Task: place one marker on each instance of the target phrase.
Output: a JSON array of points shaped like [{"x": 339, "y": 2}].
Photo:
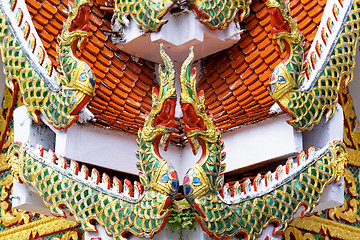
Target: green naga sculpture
[
  {"x": 58, "y": 94},
  {"x": 214, "y": 14},
  {"x": 117, "y": 208},
  {"x": 308, "y": 89},
  {"x": 246, "y": 209}
]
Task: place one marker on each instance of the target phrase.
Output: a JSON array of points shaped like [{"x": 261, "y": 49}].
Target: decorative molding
[
  {"x": 306, "y": 101},
  {"x": 332, "y": 228},
  {"x": 251, "y": 206},
  {"x": 121, "y": 208},
  {"x": 59, "y": 95},
  {"x": 41, "y": 227}
]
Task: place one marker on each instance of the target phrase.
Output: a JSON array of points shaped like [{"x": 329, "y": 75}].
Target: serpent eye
[
  {"x": 82, "y": 76},
  {"x": 92, "y": 82},
  {"x": 281, "y": 79}
]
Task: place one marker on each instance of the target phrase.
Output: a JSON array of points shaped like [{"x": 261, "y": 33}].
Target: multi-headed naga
[
  {"x": 246, "y": 209},
  {"x": 308, "y": 89},
  {"x": 116, "y": 208},
  {"x": 58, "y": 94}
]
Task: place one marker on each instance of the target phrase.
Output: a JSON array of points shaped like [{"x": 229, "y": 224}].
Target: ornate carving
[
  {"x": 71, "y": 235},
  {"x": 214, "y": 14},
  {"x": 218, "y": 14},
  {"x": 58, "y": 95},
  {"x": 303, "y": 97},
  {"x": 38, "y": 228},
  {"x": 146, "y": 14},
  {"x": 320, "y": 225},
  {"x": 348, "y": 212},
  {"x": 6, "y": 111},
  {"x": 273, "y": 198},
  {"x": 142, "y": 213}
]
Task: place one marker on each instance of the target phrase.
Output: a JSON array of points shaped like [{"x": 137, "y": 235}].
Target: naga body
[
  {"x": 116, "y": 207},
  {"x": 246, "y": 209},
  {"x": 307, "y": 101},
  {"x": 58, "y": 94}
]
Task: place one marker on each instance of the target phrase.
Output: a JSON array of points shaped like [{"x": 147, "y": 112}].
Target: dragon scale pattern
[
  {"x": 308, "y": 105},
  {"x": 252, "y": 206},
  {"x": 116, "y": 208},
  {"x": 218, "y": 14},
  {"x": 59, "y": 96},
  {"x": 247, "y": 216},
  {"x": 146, "y": 14}
]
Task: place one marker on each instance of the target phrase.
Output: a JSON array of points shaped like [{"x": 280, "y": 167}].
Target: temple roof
[{"x": 235, "y": 81}]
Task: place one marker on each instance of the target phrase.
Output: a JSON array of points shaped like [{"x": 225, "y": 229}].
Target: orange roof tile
[
  {"x": 253, "y": 59},
  {"x": 235, "y": 80}
]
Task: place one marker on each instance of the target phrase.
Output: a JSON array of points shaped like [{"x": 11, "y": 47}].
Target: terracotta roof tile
[
  {"x": 133, "y": 102},
  {"x": 119, "y": 101},
  {"x": 246, "y": 100},
  {"x": 98, "y": 74},
  {"x": 235, "y": 85},
  {"x": 301, "y": 16},
  {"x": 49, "y": 7},
  {"x": 55, "y": 24},
  {"x": 239, "y": 91},
  {"x": 33, "y": 3},
  {"x": 260, "y": 38},
  {"x": 122, "y": 56},
  {"x": 54, "y": 2},
  {"x": 51, "y": 29},
  {"x": 234, "y": 109},
  {"x": 266, "y": 21},
  {"x": 253, "y": 59},
  {"x": 95, "y": 20},
  {"x": 123, "y": 92},
  {"x": 229, "y": 100},
  {"x": 210, "y": 99},
  {"x": 132, "y": 76},
  {"x": 101, "y": 36},
  {"x": 63, "y": 10},
  {"x": 109, "y": 83},
  {"x": 222, "y": 88},
  {"x": 100, "y": 101},
  {"x": 293, "y": 4},
  {"x": 309, "y": 29},
  {"x": 103, "y": 60},
  {"x": 60, "y": 18},
  {"x": 103, "y": 96},
  {"x": 99, "y": 108},
  {"x": 38, "y": 26},
  {"x": 232, "y": 79},
  {"x": 256, "y": 31},
  {"x": 309, "y": 5},
  {"x": 262, "y": 13},
  {"x": 139, "y": 92},
  {"x": 45, "y": 14},
  {"x": 48, "y": 36},
  {"x": 257, "y": 6},
  {"x": 88, "y": 56},
  {"x": 234, "y": 53},
  {"x": 297, "y": 9},
  {"x": 227, "y": 73},
  {"x": 256, "y": 64}
]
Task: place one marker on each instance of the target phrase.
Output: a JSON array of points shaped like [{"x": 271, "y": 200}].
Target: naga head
[
  {"x": 284, "y": 28},
  {"x": 160, "y": 120},
  {"x": 280, "y": 82},
  {"x": 197, "y": 123},
  {"x": 155, "y": 172},
  {"x": 76, "y": 74},
  {"x": 286, "y": 33},
  {"x": 206, "y": 175}
]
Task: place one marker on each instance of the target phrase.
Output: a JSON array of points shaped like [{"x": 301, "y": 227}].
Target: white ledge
[{"x": 177, "y": 42}]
